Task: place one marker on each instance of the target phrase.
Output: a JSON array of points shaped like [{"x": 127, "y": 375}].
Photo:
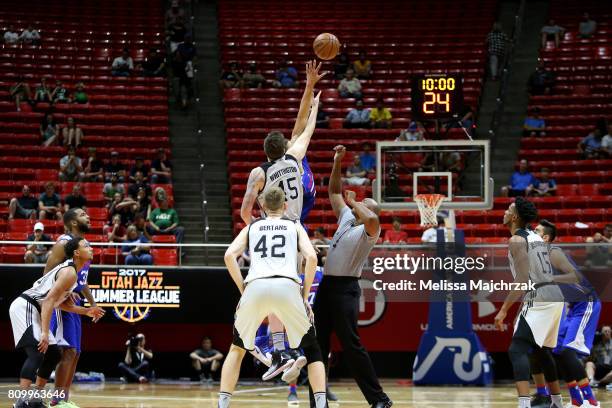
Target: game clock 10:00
[{"x": 436, "y": 96}]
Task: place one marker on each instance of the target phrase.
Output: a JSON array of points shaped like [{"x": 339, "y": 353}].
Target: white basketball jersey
[
  {"x": 273, "y": 246},
  {"x": 284, "y": 173},
  {"x": 42, "y": 286}
]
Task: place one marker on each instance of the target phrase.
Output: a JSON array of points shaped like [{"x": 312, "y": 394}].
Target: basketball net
[{"x": 428, "y": 208}]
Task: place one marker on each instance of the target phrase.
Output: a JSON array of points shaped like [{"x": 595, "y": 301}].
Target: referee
[{"x": 336, "y": 305}]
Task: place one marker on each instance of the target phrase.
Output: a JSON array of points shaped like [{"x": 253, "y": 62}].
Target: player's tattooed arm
[
  {"x": 236, "y": 248},
  {"x": 560, "y": 262},
  {"x": 300, "y": 145},
  {"x": 313, "y": 75},
  {"x": 254, "y": 186},
  {"x": 518, "y": 250},
  {"x": 335, "y": 182}
]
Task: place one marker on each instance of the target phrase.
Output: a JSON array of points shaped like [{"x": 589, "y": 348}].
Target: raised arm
[
  {"x": 254, "y": 186},
  {"x": 300, "y": 145},
  {"x": 312, "y": 77},
  {"x": 518, "y": 249},
  {"x": 236, "y": 248},
  {"x": 334, "y": 189}
]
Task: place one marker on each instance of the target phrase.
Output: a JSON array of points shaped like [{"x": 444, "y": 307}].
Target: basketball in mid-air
[{"x": 326, "y": 46}]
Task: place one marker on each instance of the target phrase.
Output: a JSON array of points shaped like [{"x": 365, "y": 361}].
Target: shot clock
[{"x": 436, "y": 96}]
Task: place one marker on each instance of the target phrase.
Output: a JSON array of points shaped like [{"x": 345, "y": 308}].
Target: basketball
[{"x": 326, "y": 46}]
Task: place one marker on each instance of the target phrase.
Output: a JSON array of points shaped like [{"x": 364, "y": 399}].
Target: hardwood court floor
[{"x": 264, "y": 396}]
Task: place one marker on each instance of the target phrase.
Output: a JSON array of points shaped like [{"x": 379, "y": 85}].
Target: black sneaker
[
  {"x": 36, "y": 403},
  {"x": 330, "y": 395},
  {"x": 281, "y": 360},
  {"x": 383, "y": 404},
  {"x": 540, "y": 401}
]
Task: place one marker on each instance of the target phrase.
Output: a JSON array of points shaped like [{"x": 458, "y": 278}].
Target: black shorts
[{"x": 601, "y": 370}]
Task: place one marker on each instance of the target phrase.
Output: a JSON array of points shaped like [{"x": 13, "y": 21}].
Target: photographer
[{"x": 136, "y": 367}]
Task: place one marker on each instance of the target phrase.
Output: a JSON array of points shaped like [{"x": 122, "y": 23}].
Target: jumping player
[
  {"x": 31, "y": 315},
  {"x": 273, "y": 286},
  {"x": 577, "y": 329},
  {"x": 536, "y": 327}
]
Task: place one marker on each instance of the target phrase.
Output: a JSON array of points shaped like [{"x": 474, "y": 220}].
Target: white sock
[
  {"x": 278, "y": 339},
  {"x": 524, "y": 402},
  {"x": 557, "y": 400},
  {"x": 320, "y": 399},
  {"x": 224, "y": 399}
]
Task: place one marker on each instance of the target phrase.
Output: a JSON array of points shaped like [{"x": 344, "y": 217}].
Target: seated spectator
[
  {"x": 164, "y": 221},
  {"x": 115, "y": 231},
  {"x": 76, "y": 199},
  {"x": 60, "y": 93},
  {"x": 600, "y": 256},
  {"x": 126, "y": 207},
  {"x": 587, "y": 26},
  {"x": 358, "y": 117},
  {"x": 93, "y": 170},
  {"x": 521, "y": 182},
  {"x": 541, "y": 81},
  {"x": 341, "y": 65},
  {"x": 380, "y": 117},
  {"x": 20, "y": 92},
  {"x": 552, "y": 32},
  {"x": 139, "y": 166},
  {"x": 430, "y": 235},
  {"x": 71, "y": 168},
  {"x": 138, "y": 184},
  {"x": 49, "y": 203},
  {"x": 467, "y": 119},
  {"x": 356, "y": 175},
  {"x": 599, "y": 367},
  {"x": 136, "y": 366},
  {"x": 544, "y": 186},
  {"x": 80, "y": 96},
  {"x": 72, "y": 134},
  {"x": 362, "y": 66},
  {"x": 158, "y": 195},
  {"x": 176, "y": 33},
  {"x": 496, "y": 47},
  {"x": 10, "y": 35},
  {"x": 161, "y": 168},
  {"x": 123, "y": 65},
  {"x": 144, "y": 202},
  {"x": 286, "y": 76},
  {"x": 206, "y": 361},
  {"x": 396, "y": 235},
  {"x": 410, "y": 134},
  {"x": 49, "y": 130},
  {"x": 367, "y": 159},
  {"x": 111, "y": 189},
  {"x": 451, "y": 161},
  {"x": 322, "y": 118},
  {"x": 30, "y": 36},
  {"x": 606, "y": 141},
  {"x": 534, "y": 125},
  {"x": 320, "y": 239},
  {"x": 591, "y": 146},
  {"x": 25, "y": 206},
  {"x": 136, "y": 255},
  {"x": 253, "y": 78},
  {"x": 350, "y": 87},
  {"x": 42, "y": 92},
  {"x": 154, "y": 65},
  {"x": 37, "y": 253},
  {"x": 114, "y": 166},
  {"x": 140, "y": 222}
]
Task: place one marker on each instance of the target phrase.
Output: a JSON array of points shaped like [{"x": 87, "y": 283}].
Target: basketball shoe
[{"x": 281, "y": 360}]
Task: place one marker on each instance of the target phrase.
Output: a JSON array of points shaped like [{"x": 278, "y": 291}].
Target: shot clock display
[{"x": 436, "y": 96}]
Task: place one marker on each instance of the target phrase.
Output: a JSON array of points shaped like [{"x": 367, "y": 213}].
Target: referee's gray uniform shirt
[{"x": 349, "y": 248}]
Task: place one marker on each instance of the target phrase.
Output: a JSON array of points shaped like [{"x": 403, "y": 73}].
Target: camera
[{"x": 134, "y": 342}]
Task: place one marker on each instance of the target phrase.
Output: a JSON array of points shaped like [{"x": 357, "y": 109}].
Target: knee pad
[
  {"x": 534, "y": 363},
  {"x": 572, "y": 368},
  {"x": 310, "y": 347},
  {"x": 519, "y": 356},
  {"x": 32, "y": 363},
  {"x": 52, "y": 357},
  {"x": 547, "y": 361}
]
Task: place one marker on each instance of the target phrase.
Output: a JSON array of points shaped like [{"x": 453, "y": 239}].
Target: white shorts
[
  {"x": 544, "y": 319},
  {"x": 26, "y": 322},
  {"x": 262, "y": 297}
]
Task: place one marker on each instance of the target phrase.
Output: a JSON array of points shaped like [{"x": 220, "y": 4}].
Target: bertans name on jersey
[{"x": 445, "y": 285}]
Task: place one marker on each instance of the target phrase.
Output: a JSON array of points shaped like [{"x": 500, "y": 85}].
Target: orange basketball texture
[{"x": 326, "y": 46}]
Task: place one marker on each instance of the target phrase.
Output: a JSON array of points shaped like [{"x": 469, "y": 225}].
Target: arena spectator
[
  {"x": 93, "y": 170},
  {"x": 357, "y": 117},
  {"x": 187, "y": 49},
  {"x": 430, "y": 235},
  {"x": 599, "y": 368},
  {"x": 112, "y": 188},
  {"x": 71, "y": 168},
  {"x": 20, "y": 92},
  {"x": 606, "y": 141},
  {"x": 161, "y": 168},
  {"x": 544, "y": 186},
  {"x": 496, "y": 46},
  {"x": 136, "y": 366},
  {"x": 174, "y": 12},
  {"x": 521, "y": 182},
  {"x": 395, "y": 235},
  {"x": 72, "y": 134},
  {"x": 37, "y": 253},
  {"x": 138, "y": 183},
  {"x": 534, "y": 125},
  {"x": 42, "y": 92},
  {"x": 80, "y": 96},
  {"x": 600, "y": 256},
  {"x": 467, "y": 119},
  {"x": 322, "y": 118},
  {"x": 30, "y": 36},
  {"x": 410, "y": 134},
  {"x": 552, "y": 32},
  {"x": 320, "y": 239},
  {"x": 176, "y": 33},
  {"x": 367, "y": 159},
  {"x": 25, "y": 206},
  {"x": 350, "y": 87},
  {"x": 125, "y": 206},
  {"x": 206, "y": 361},
  {"x": 591, "y": 147},
  {"x": 154, "y": 65},
  {"x": 451, "y": 161},
  {"x": 341, "y": 65},
  {"x": 49, "y": 130},
  {"x": 140, "y": 222},
  {"x": 144, "y": 202},
  {"x": 114, "y": 166},
  {"x": 587, "y": 26},
  {"x": 362, "y": 66},
  {"x": 49, "y": 203},
  {"x": 286, "y": 76},
  {"x": 10, "y": 35},
  {"x": 541, "y": 81},
  {"x": 253, "y": 78},
  {"x": 380, "y": 116},
  {"x": 123, "y": 65},
  {"x": 182, "y": 67},
  {"x": 115, "y": 231},
  {"x": 139, "y": 166},
  {"x": 136, "y": 255},
  {"x": 356, "y": 175},
  {"x": 232, "y": 77},
  {"x": 76, "y": 199},
  {"x": 158, "y": 195},
  {"x": 60, "y": 94},
  {"x": 164, "y": 221}
]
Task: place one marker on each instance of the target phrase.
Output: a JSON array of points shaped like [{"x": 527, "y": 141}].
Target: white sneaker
[{"x": 292, "y": 373}]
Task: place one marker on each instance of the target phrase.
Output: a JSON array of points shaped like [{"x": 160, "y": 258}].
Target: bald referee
[{"x": 336, "y": 306}]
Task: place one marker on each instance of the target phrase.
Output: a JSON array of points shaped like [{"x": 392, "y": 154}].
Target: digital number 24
[{"x": 435, "y": 98}]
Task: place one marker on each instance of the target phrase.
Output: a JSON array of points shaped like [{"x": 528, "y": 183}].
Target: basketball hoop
[{"x": 428, "y": 208}]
